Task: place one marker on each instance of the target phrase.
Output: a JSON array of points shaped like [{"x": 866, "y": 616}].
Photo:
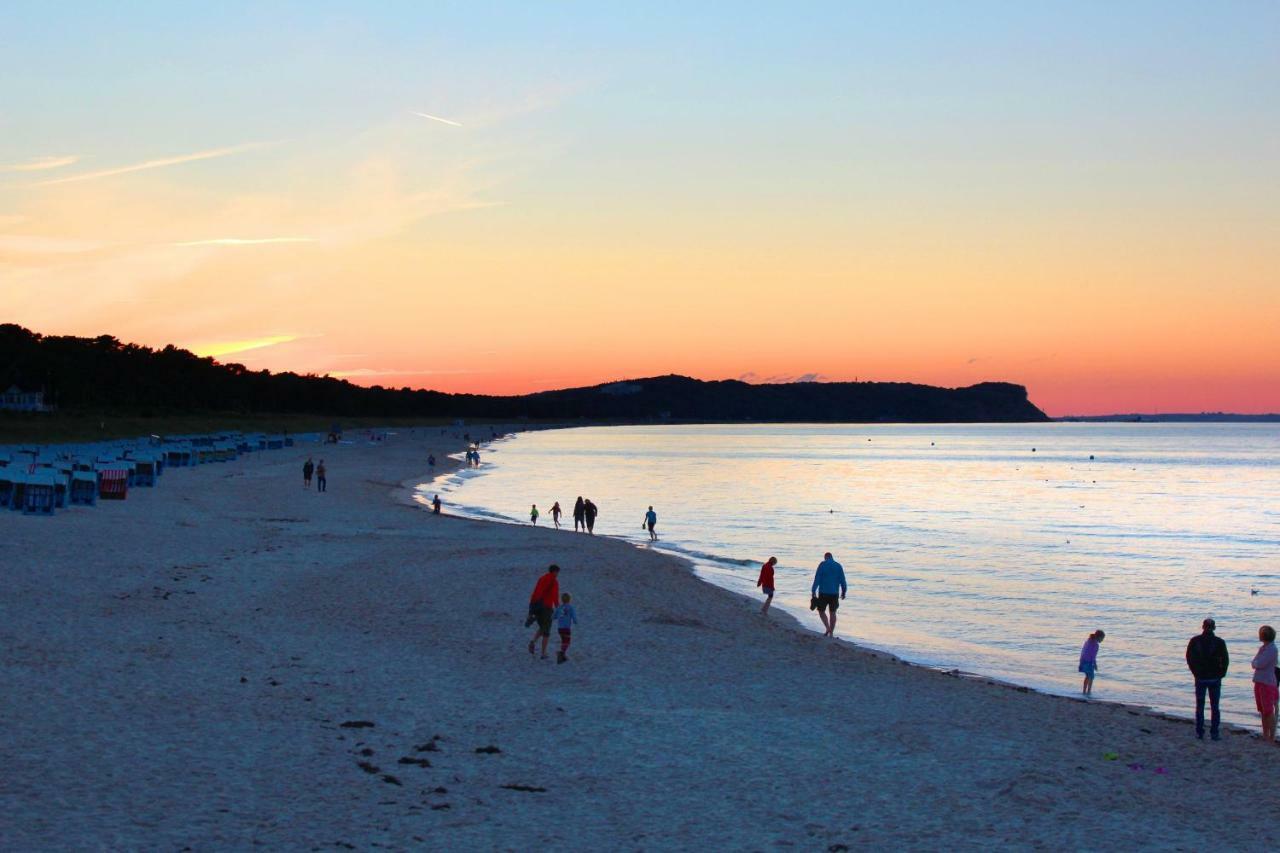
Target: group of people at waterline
[
  {"x": 1206, "y": 653},
  {"x": 1208, "y": 661},
  {"x": 584, "y": 515}
]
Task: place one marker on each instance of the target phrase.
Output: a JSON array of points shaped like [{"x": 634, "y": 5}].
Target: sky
[{"x": 506, "y": 197}]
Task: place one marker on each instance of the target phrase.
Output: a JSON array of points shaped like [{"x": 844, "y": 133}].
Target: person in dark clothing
[
  {"x": 307, "y": 468},
  {"x": 1207, "y": 659},
  {"x": 579, "y": 514},
  {"x": 321, "y": 482},
  {"x": 589, "y": 511}
]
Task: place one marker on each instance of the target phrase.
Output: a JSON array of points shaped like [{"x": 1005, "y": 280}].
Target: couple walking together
[{"x": 828, "y": 589}]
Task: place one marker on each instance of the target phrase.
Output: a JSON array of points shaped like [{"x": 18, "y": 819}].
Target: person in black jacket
[{"x": 1207, "y": 659}]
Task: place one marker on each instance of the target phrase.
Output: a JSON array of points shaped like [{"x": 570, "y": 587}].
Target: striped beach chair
[{"x": 113, "y": 484}]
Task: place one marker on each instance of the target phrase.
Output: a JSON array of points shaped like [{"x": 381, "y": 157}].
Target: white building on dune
[{"x": 18, "y": 400}]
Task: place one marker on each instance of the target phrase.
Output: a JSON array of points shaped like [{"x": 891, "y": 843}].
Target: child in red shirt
[{"x": 766, "y": 582}]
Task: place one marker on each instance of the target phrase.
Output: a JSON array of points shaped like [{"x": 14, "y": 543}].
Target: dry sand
[{"x": 177, "y": 670}]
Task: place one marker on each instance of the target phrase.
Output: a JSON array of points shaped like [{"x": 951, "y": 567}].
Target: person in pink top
[{"x": 1264, "y": 681}]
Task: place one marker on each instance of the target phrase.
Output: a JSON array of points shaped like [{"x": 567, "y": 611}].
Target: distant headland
[{"x": 76, "y": 374}]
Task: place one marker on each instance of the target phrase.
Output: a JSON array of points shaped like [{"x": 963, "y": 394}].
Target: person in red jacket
[
  {"x": 542, "y": 605},
  {"x": 766, "y": 582}
]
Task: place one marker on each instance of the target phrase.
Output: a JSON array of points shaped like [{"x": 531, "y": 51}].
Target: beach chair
[
  {"x": 84, "y": 488},
  {"x": 144, "y": 472},
  {"x": 38, "y": 493},
  {"x": 113, "y": 484}
]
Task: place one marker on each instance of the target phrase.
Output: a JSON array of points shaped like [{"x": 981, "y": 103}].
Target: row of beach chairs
[{"x": 37, "y": 480}]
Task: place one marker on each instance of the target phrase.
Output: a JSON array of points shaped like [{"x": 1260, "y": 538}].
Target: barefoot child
[
  {"x": 1089, "y": 660},
  {"x": 766, "y": 582},
  {"x": 566, "y": 618}
]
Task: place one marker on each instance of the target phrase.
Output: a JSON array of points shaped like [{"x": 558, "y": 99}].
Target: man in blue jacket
[{"x": 827, "y": 581}]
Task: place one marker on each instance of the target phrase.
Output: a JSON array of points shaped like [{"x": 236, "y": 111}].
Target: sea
[{"x": 994, "y": 549}]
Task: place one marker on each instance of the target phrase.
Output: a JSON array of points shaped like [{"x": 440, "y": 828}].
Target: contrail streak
[{"x": 437, "y": 118}]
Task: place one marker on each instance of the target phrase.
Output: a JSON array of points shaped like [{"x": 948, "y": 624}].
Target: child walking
[
  {"x": 766, "y": 582},
  {"x": 566, "y": 617},
  {"x": 1089, "y": 660}
]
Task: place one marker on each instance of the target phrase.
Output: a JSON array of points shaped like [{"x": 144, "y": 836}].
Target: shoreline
[
  {"x": 688, "y": 564},
  {"x": 258, "y": 664}
]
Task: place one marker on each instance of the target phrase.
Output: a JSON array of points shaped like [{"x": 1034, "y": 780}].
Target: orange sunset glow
[{"x": 422, "y": 204}]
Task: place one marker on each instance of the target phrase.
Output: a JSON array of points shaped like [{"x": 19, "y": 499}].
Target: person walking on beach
[
  {"x": 1265, "y": 692},
  {"x": 1089, "y": 660},
  {"x": 579, "y": 515},
  {"x": 542, "y": 606},
  {"x": 828, "y": 588},
  {"x": 533, "y": 515},
  {"x": 556, "y": 512},
  {"x": 435, "y": 505},
  {"x": 765, "y": 582},
  {"x": 650, "y": 521},
  {"x": 321, "y": 482},
  {"x": 1208, "y": 661},
  {"x": 431, "y": 462},
  {"x": 589, "y": 511},
  {"x": 307, "y": 468},
  {"x": 566, "y": 617}
]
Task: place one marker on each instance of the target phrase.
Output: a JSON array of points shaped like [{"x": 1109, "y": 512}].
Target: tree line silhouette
[{"x": 103, "y": 373}]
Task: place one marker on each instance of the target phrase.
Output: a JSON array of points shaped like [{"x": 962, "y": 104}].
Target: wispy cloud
[
  {"x": 437, "y": 118},
  {"x": 155, "y": 164},
  {"x": 40, "y": 164},
  {"x": 362, "y": 372},
  {"x": 217, "y": 350},
  {"x": 31, "y": 244},
  {"x": 781, "y": 378},
  {"x": 246, "y": 241}
]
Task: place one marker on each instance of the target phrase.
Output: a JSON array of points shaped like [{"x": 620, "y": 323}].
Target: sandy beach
[{"x": 230, "y": 660}]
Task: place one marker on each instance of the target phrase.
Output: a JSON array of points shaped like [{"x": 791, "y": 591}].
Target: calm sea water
[{"x": 994, "y": 549}]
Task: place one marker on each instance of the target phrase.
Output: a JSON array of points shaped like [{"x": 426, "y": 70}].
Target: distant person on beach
[
  {"x": 589, "y": 511},
  {"x": 765, "y": 582},
  {"x": 533, "y": 514},
  {"x": 321, "y": 482},
  {"x": 828, "y": 588},
  {"x": 431, "y": 461},
  {"x": 566, "y": 617},
  {"x": 1208, "y": 661},
  {"x": 307, "y": 468},
  {"x": 1089, "y": 660},
  {"x": 650, "y": 521},
  {"x": 435, "y": 505},
  {"x": 1265, "y": 692},
  {"x": 542, "y": 606},
  {"x": 556, "y": 512},
  {"x": 579, "y": 515}
]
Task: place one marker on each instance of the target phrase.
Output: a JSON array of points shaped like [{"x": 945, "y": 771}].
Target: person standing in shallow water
[
  {"x": 651, "y": 521},
  {"x": 533, "y": 515},
  {"x": 1208, "y": 661},
  {"x": 1265, "y": 691},
  {"x": 589, "y": 511},
  {"x": 307, "y": 468},
  {"x": 828, "y": 588},
  {"x": 579, "y": 515},
  {"x": 1089, "y": 660}
]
